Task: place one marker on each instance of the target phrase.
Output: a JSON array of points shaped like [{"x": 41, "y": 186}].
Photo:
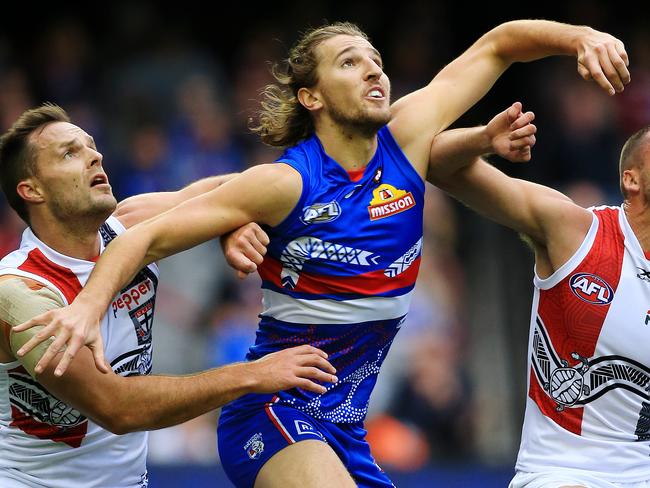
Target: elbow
[
  {"x": 117, "y": 421},
  {"x": 500, "y": 43},
  {"x": 118, "y": 425}
]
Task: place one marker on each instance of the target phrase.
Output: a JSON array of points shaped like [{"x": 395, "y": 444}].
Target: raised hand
[
  {"x": 512, "y": 133},
  {"x": 245, "y": 248},
  {"x": 297, "y": 367},
  {"x": 602, "y": 58},
  {"x": 72, "y": 327}
]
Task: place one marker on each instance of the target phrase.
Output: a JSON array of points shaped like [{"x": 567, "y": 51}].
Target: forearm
[
  {"x": 203, "y": 186},
  {"x": 528, "y": 40},
  {"x": 118, "y": 264},
  {"x": 454, "y": 150},
  {"x": 156, "y": 402}
]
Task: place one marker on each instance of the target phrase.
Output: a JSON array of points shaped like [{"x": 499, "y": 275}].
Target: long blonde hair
[{"x": 283, "y": 121}]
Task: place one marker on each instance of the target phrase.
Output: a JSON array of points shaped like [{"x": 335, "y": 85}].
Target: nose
[
  {"x": 373, "y": 70},
  {"x": 96, "y": 157}
]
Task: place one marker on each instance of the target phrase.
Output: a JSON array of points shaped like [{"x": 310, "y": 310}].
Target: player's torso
[
  {"x": 589, "y": 365},
  {"x": 35, "y": 425},
  {"x": 341, "y": 268}
]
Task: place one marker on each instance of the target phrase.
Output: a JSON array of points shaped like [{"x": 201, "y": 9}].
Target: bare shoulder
[
  {"x": 275, "y": 172},
  {"x": 566, "y": 230}
]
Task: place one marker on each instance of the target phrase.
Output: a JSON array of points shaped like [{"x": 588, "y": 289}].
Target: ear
[
  {"x": 30, "y": 191},
  {"x": 310, "y": 99}
]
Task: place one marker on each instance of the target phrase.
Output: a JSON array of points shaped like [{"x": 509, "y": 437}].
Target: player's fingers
[
  {"x": 64, "y": 362},
  {"x": 42, "y": 335},
  {"x": 241, "y": 275},
  {"x": 584, "y": 72},
  {"x": 74, "y": 343},
  {"x": 252, "y": 251},
  {"x": 240, "y": 262},
  {"x": 609, "y": 69},
  {"x": 525, "y": 153},
  {"x": 259, "y": 247},
  {"x": 592, "y": 62},
  {"x": 308, "y": 349},
  {"x": 262, "y": 236},
  {"x": 309, "y": 385},
  {"x": 38, "y": 320},
  {"x": 523, "y": 142},
  {"x": 513, "y": 112},
  {"x": 524, "y": 131},
  {"x": 316, "y": 374},
  {"x": 55, "y": 348},
  {"x": 527, "y": 130},
  {"x": 620, "y": 49},
  {"x": 98, "y": 354},
  {"x": 522, "y": 120},
  {"x": 619, "y": 63},
  {"x": 318, "y": 362}
]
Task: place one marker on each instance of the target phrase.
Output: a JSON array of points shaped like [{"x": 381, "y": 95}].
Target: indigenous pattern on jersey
[
  {"x": 45, "y": 442},
  {"x": 588, "y": 405},
  {"x": 340, "y": 271}
]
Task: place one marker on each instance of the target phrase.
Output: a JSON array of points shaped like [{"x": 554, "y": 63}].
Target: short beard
[
  {"x": 361, "y": 123},
  {"x": 96, "y": 211}
]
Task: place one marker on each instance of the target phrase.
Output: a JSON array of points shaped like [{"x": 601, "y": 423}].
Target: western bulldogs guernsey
[
  {"x": 338, "y": 275},
  {"x": 340, "y": 270},
  {"x": 588, "y": 405},
  {"x": 43, "y": 442}
]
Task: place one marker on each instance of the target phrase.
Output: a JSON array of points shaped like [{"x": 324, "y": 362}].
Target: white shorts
[{"x": 557, "y": 479}]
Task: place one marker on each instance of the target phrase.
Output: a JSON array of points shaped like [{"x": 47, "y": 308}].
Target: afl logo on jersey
[
  {"x": 319, "y": 213},
  {"x": 591, "y": 288}
]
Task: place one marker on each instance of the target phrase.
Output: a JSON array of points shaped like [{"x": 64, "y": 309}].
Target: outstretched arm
[
  {"x": 264, "y": 194},
  {"x": 126, "y": 404},
  {"x": 419, "y": 116},
  {"x": 556, "y": 225},
  {"x": 139, "y": 208}
]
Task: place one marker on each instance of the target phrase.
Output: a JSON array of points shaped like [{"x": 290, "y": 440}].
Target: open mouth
[
  {"x": 100, "y": 179},
  {"x": 375, "y": 94}
]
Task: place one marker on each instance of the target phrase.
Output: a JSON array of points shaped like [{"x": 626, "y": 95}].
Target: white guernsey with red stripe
[
  {"x": 588, "y": 405},
  {"x": 44, "y": 442}
]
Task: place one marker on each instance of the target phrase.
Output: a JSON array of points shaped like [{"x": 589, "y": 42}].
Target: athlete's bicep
[
  {"x": 20, "y": 300},
  {"x": 534, "y": 210},
  {"x": 419, "y": 116},
  {"x": 265, "y": 194}
]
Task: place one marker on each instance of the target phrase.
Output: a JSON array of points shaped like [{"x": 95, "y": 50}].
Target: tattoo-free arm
[
  {"x": 139, "y": 208},
  {"x": 264, "y": 194},
  {"x": 419, "y": 116}
]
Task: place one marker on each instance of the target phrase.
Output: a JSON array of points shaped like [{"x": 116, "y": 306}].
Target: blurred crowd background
[{"x": 167, "y": 93}]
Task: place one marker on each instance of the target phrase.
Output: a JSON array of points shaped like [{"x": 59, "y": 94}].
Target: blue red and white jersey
[
  {"x": 340, "y": 270},
  {"x": 43, "y": 441},
  {"x": 588, "y": 405}
]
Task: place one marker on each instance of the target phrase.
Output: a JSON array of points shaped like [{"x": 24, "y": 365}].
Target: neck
[
  {"x": 348, "y": 147},
  {"x": 638, "y": 215},
  {"x": 78, "y": 239}
]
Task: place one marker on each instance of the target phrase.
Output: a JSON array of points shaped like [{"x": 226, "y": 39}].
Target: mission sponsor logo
[
  {"x": 591, "y": 288},
  {"x": 388, "y": 200}
]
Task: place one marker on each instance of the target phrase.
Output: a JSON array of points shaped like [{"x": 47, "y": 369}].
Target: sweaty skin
[{"x": 20, "y": 300}]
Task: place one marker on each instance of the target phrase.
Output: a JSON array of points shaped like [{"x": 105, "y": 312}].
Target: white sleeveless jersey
[
  {"x": 44, "y": 442},
  {"x": 588, "y": 404}
]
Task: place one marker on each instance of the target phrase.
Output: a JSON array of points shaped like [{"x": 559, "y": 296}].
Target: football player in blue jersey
[{"x": 343, "y": 207}]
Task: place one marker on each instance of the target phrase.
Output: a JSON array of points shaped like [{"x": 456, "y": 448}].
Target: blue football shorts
[{"x": 248, "y": 437}]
